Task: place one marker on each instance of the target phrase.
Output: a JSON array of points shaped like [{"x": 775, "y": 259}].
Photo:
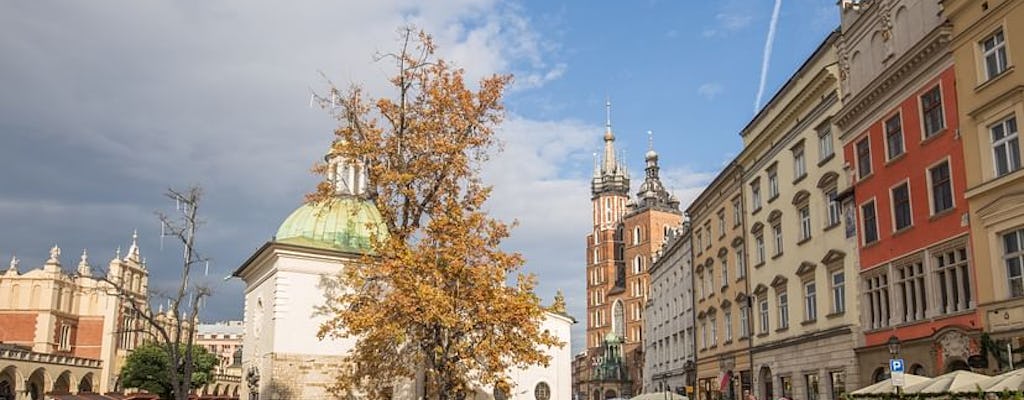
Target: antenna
[
  {"x": 608, "y": 112},
  {"x": 650, "y": 140}
]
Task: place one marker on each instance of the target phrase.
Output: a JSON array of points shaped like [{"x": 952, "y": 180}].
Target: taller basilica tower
[{"x": 626, "y": 233}]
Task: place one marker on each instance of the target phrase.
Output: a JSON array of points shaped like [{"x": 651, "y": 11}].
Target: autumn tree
[{"x": 433, "y": 297}]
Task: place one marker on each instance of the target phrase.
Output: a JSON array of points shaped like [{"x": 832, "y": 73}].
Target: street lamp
[
  {"x": 894, "y": 352},
  {"x": 894, "y": 346}
]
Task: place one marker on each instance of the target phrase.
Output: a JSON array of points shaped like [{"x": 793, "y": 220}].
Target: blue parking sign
[{"x": 896, "y": 365}]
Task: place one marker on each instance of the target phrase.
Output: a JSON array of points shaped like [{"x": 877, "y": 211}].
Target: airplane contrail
[{"x": 767, "y": 54}]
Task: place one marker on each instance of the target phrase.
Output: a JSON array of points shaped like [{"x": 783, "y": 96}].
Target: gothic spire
[
  {"x": 611, "y": 175},
  {"x": 83, "y": 265},
  {"x": 133, "y": 250}
]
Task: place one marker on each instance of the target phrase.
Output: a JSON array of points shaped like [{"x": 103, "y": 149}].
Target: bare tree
[{"x": 174, "y": 329}]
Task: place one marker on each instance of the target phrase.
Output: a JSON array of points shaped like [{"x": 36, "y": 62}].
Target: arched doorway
[
  {"x": 957, "y": 365},
  {"x": 766, "y": 383},
  {"x": 610, "y": 394},
  {"x": 879, "y": 375},
  {"x": 597, "y": 394},
  {"x": 8, "y": 380},
  {"x": 63, "y": 383},
  {"x": 36, "y": 385},
  {"x": 85, "y": 385},
  {"x": 918, "y": 369}
]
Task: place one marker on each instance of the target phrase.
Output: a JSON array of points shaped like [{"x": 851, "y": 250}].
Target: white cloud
[
  {"x": 726, "y": 23},
  {"x": 709, "y": 90}
]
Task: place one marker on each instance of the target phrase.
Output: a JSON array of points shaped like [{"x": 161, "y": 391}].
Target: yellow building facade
[{"x": 987, "y": 40}]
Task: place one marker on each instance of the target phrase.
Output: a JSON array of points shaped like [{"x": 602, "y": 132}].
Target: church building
[
  {"x": 626, "y": 234},
  {"x": 286, "y": 281}
]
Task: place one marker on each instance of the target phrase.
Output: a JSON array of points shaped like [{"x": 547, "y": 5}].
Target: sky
[{"x": 104, "y": 105}]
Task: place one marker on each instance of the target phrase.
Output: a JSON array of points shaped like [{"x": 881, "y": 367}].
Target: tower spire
[
  {"x": 608, "y": 114},
  {"x": 610, "y": 166}
]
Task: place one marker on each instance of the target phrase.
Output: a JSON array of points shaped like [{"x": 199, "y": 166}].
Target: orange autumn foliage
[{"x": 433, "y": 297}]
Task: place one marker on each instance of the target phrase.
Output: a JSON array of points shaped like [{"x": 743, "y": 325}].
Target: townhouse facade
[
  {"x": 805, "y": 320},
  {"x": 990, "y": 101},
  {"x": 669, "y": 362},
  {"x": 898, "y": 127},
  {"x": 721, "y": 288}
]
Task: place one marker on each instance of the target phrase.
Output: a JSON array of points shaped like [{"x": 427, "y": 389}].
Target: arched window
[
  {"x": 638, "y": 264},
  {"x": 618, "y": 319},
  {"x": 636, "y": 235},
  {"x": 542, "y": 391}
]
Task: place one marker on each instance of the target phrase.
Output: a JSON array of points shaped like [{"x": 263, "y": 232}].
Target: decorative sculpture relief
[{"x": 955, "y": 344}]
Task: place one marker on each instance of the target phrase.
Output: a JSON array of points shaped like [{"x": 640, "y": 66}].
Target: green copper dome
[{"x": 341, "y": 223}]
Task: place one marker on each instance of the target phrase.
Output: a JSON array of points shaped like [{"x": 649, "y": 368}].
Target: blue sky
[{"x": 106, "y": 104}]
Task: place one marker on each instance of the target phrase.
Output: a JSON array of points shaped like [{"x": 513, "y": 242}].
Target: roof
[{"x": 344, "y": 223}]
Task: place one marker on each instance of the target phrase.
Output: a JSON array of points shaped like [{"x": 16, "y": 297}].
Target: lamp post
[{"x": 894, "y": 352}]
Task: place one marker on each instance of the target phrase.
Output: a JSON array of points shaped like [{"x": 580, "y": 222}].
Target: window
[
  {"x": 724, "y": 260},
  {"x": 863, "y": 158},
  {"x": 777, "y": 237},
  {"x": 721, "y": 222},
  {"x": 783, "y": 310},
  {"x": 741, "y": 264},
  {"x": 703, "y": 335},
  {"x": 825, "y": 149},
  {"x": 870, "y": 224},
  {"x": 952, "y": 272},
  {"x": 755, "y": 194},
  {"x": 773, "y": 183},
  {"x": 838, "y": 292},
  {"x": 805, "y": 223},
  {"x": 909, "y": 280},
  {"x": 1013, "y": 257},
  {"x": 810, "y": 301},
  {"x": 618, "y": 319},
  {"x": 714, "y": 331},
  {"x": 542, "y": 391},
  {"x": 727, "y": 320},
  {"x": 812, "y": 386},
  {"x": 737, "y": 212},
  {"x": 636, "y": 235},
  {"x": 707, "y": 231},
  {"x": 763, "y": 306},
  {"x": 759, "y": 246},
  {"x": 894, "y": 136},
  {"x": 65, "y": 338},
  {"x": 799, "y": 163},
  {"x": 700, "y": 278},
  {"x": 1005, "y": 146},
  {"x": 878, "y": 295},
  {"x": 833, "y": 208},
  {"x": 994, "y": 48},
  {"x": 942, "y": 187},
  {"x": 787, "y": 386},
  {"x": 638, "y": 265},
  {"x": 699, "y": 242},
  {"x": 744, "y": 322},
  {"x": 901, "y": 206},
  {"x": 711, "y": 280},
  {"x": 838, "y": 380},
  {"x": 931, "y": 112}
]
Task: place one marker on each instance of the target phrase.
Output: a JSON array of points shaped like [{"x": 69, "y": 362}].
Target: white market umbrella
[
  {"x": 886, "y": 387},
  {"x": 953, "y": 382},
  {"x": 659, "y": 396},
  {"x": 1013, "y": 381}
]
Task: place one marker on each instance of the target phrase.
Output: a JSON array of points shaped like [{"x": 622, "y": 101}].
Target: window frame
[
  {"x": 799, "y": 162},
  {"x": 932, "y": 199},
  {"x": 998, "y": 49},
  {"x": 810, "y": 300},
  {"x": 804, "y": 215},
  {"x": 782, "y": 301},
  {"x": 864, "y": 222},
  {"x": 926, "y": 109},
  {"x": 897, "y": 133},
  {"x": 1006, "y": 141},
  {"x": 755, "y": 194},
  {"x": 1017, "y": 255},
  {"x": 826, "y": 146},
  {"x": 862, "y": 155},
  {"x": 838, "y": 291},
  {"x": 894, "y": 203}
]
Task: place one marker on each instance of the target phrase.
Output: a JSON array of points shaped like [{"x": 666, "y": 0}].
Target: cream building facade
[
  {"x": 669, "y": 361},
  {"x": 805, "y": 312},
  {"x": 720, "y": 286},
  {"x": 75, "y": 315},
  {"x": 987, "y": 40},
  {"x": 288, "y": 278}
]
